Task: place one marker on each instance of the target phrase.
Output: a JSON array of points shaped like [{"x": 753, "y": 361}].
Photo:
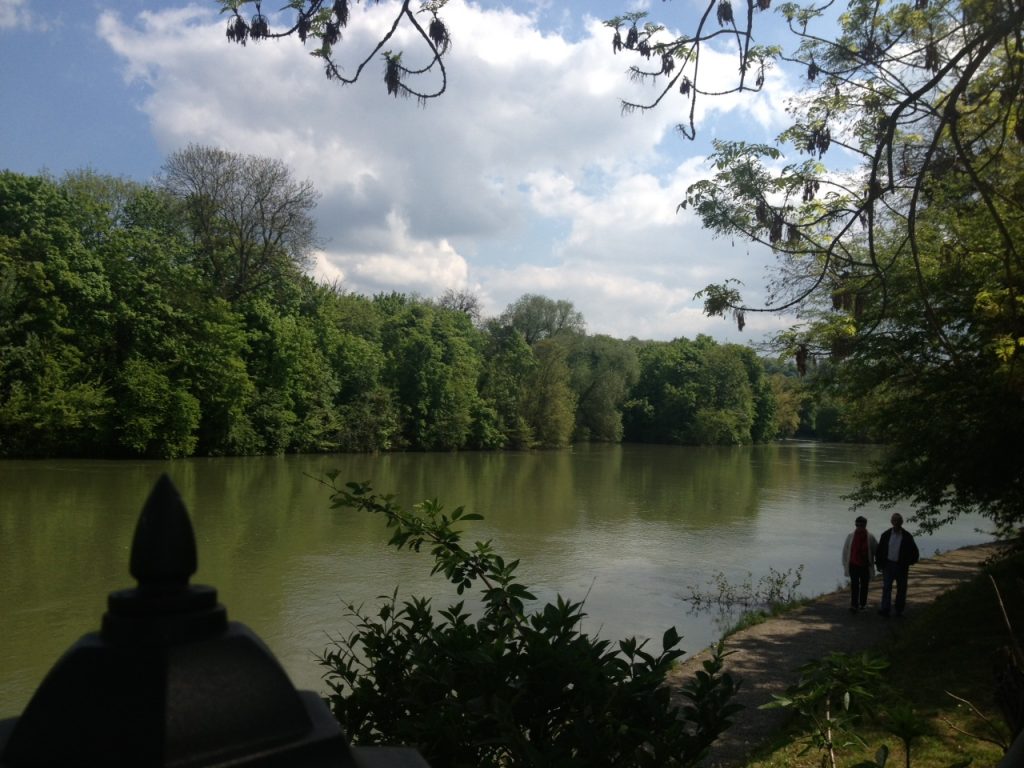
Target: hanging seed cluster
[
  {"x": 258, "y": 27},
  {"x": 771, "y": 220},
  {"x": 438, "y": 33},
  {"x": 633, "y": 42},
  {"x": 724, "y": 12},
  {"x": 801, "y": 360},
  {"x": 340, "y": 11},
  {"x": 818, "y": 140},
  {"x": 238, "y": 30},
  {"x": 392, "y": 74}
]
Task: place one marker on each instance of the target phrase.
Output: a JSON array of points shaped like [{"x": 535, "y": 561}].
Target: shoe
[
  {"x": 862, "y": 608},
  {"x": 883, "y": 613},
  {"x": 853, "y": 609}
]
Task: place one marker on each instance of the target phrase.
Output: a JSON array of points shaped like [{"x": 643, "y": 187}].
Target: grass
[
  {"x": 947, "y": 647},
  {"x": 761, "y": 615}
]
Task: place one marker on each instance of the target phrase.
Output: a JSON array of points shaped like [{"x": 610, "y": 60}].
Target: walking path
[{"x": 767, "y": 657}]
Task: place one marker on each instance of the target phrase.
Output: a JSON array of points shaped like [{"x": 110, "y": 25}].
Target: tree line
[{"x": 176, "y": 318}]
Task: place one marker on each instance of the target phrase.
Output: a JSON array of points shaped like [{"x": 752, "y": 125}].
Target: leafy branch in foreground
[
  {"x": 832, "y": 696},
  {"x": 893, "y": 205},
  {"x": 504, "y": 685}
]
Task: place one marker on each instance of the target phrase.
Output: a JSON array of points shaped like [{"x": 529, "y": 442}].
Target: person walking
[
  {"x": 896, "y": 552},
  {"x": 859, "y": 562}
]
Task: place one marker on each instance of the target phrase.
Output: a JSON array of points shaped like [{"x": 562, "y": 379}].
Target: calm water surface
[{"x": 627, "y": 527}]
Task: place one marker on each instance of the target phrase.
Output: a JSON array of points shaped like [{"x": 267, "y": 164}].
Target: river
[{"x": 626, "y": 527}]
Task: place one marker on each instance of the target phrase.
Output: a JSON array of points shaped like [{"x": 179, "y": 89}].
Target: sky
[{"x": 524, "y": 177}]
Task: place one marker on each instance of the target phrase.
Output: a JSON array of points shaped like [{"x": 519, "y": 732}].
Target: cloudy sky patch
[{"x": 524, "y": 177}]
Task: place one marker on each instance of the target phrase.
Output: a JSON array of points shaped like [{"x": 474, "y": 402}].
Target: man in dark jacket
[{"x": 896, "y": 552}]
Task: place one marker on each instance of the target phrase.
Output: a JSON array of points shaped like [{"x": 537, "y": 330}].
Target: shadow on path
[{"x": 766, "y": 658}]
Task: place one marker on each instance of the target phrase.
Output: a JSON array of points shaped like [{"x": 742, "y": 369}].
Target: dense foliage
[
  {"x": 895, "y": 205},
  {"x": 500, "y": 684},
  {"x": 177, "y": 319}
]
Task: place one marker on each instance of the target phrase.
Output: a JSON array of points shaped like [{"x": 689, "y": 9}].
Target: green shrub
[{"x": 503, "y": 685}]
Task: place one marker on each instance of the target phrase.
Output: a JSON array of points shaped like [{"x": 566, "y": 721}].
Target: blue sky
[{"x": 523, "y": 178}]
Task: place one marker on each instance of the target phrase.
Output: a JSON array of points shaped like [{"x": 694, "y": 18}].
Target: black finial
[{"x": 164, "y": 547}]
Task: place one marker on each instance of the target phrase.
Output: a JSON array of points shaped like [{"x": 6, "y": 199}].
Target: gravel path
[{"x": 767, "y": 657}]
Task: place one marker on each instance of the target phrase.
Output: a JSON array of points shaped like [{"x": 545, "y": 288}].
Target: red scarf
[{"x": 859, "y": 549}]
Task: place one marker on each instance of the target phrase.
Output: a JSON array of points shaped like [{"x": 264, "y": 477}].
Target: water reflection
[{"x": 627, "y": 527}]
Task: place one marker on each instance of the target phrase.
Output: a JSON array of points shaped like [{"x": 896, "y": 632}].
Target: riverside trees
[
  {"x": 895, "y": 205},
  {"x": 118, "y": 337}
]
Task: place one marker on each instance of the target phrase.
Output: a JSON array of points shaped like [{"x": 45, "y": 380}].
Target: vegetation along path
[{"x": 767, "y": 657}]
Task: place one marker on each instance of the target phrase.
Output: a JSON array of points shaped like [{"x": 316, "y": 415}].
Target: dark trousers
[
  {"x": 860, "y": 575},
  {"x": 894, "y": 573}
]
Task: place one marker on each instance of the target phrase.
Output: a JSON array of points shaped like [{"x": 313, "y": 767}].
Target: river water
[{"x": 627, "y": 527}]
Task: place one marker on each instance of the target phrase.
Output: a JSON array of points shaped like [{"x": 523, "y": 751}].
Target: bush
[{"x": 508, "y": 686}]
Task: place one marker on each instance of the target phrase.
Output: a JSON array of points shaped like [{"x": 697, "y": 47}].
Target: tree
[
  {"x": 725, "y": 410},
  {"x": 52, "y": 288},
  {"x": 548, "y": 402},
  {"x": 699, "y": 393},
  {"x": 433, "y": 367},
  {"x": 507, "y": 364},
  {"x": 462, "y": 301},
  {"x": 249, "y": 218},
  {"x": 538, "y": 317},
  {"x": 904, "y": 266},
  {"x": 603, "y": 372},
  {"x": 324, "y": 20}
]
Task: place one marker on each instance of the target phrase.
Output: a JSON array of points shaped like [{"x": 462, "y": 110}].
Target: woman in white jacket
[{"x": 859, "y": 562}]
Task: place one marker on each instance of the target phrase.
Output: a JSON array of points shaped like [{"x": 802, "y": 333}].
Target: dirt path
[{"x": 767, "y": 657}]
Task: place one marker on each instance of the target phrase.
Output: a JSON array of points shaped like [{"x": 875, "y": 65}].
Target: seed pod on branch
[
  {"x": 392, "y": 74},
  {"x": 439, "y": 35},
  {"x": 724, "y": 12},
  {"x": 259, "y": 27},
  {"x": 931, "y": 57},
  {"x": 763, "y": 213},
  {"x": 341, "y": 12},
  {"x": 238, "y": 30},
  {"x": 332, "y": 33}
]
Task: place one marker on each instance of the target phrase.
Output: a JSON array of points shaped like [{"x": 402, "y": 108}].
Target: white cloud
[
  {"x": 16, "y": 14},
  {"x": 523, "y": 177}
]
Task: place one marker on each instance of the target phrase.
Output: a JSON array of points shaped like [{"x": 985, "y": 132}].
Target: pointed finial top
[{"x": 164, "y": 547}]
